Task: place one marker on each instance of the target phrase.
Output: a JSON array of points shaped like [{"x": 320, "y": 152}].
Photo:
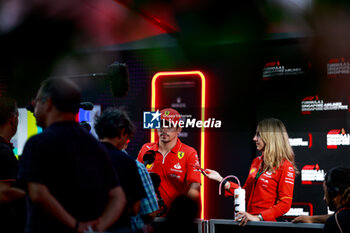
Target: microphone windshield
[
  {"x": 118, "y": 76},
  {"x": 86, "y": 106},
  {"x": 155, "y": 180},
  {"x": 149, "y": 157},
  {"x": 85, "y": 125}
]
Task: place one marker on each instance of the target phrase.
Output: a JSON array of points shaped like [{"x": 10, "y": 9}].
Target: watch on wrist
[{"x": 260, "y": 217}]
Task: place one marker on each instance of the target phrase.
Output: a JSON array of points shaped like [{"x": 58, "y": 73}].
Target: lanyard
[{"x": 260, "y": 172}]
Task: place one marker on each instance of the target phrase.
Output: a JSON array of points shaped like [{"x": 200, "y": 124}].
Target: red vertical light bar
[{"x": 200, "y": 75}]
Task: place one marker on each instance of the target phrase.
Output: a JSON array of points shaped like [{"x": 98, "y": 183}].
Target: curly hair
[{"x": 111, "y": 122}]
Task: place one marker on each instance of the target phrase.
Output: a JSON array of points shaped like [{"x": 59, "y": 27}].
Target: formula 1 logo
[
  {"x": 337, "y": 137},
  {"x": 338, "y": 67},
  {"x": 301, "y": 142},
  {"x": 312, "y": 174},
  {"x": 276, "y": 69},
  {"x": 151, "y": 120},
  {"x": 314, "y": 104}
]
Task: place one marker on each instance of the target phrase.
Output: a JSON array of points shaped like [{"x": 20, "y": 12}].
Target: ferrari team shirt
[
  {"x": 269, "y": 194},
  {"x": 176, "y": 169}
]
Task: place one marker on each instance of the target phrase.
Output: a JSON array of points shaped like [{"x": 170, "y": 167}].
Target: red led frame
[{"x": 201, "y": 76}]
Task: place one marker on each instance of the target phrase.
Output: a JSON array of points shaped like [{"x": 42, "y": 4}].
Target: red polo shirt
[
  {"x": 175, "y": 169},
  {"x": 271, "y": 194}
]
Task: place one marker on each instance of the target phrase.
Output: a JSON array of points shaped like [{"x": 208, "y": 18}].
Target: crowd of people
[{"x": 68, "y": 181}]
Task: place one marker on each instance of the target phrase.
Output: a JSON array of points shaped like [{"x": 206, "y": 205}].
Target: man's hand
[
  {"x": 9, "y": 193},
  {"x": 85, "y": 226},
  {"x": 303, "y": 219},
  {"x": 194, "y": 191},
  {"x": 113, "y": 210},
  {"x": 43, "y": 199},
  {"x": 245, "y": 217},
  {"x": 311, "y": 219}
]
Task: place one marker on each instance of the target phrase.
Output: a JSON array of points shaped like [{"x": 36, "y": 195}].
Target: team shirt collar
[{"x": 174, "y": 150}]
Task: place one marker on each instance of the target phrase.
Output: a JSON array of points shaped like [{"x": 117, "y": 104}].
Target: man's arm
[
  {"x": 311, "y": 219},
  {"x": 194, "y": 191},
  {"x": 9, "y": 193},
  {"x": 149, "y": 205},
  {"x": 134, "y": 208},
  {"x": 114, "y": 208},
  {"x": 41, "y": 197}
]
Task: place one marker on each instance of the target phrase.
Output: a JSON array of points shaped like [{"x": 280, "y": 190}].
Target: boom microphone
[
  {"x": 84, "y": 105},
  {"x": 118, "y": 76},
  {"x": 149, "y": 157}
]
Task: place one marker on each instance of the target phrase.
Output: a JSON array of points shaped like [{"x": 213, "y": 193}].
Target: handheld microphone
[
  {"x": 155, "y": 180},
  {"x": 156, "y": 183},
  {"x": 149, "y": 157},
  {"x": 85, "y": 125}
]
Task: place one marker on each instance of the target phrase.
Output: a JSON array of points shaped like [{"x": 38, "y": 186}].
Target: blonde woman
[{"x": 270, "y": 183}]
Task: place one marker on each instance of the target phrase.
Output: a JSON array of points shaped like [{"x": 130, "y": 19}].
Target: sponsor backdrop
[{"x": 245, "y": 82}]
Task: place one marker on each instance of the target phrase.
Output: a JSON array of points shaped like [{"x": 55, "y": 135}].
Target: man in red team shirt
[{"x": 174, "y": 162}]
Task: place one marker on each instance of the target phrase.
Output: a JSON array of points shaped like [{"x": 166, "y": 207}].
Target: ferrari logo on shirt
[
  {"x": 180, "y": 154},
  {"x": 252, "y": 170},
  {"x": 149, "y": 166}
]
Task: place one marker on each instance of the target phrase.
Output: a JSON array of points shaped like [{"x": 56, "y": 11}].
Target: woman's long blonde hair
[{"x": 277, "y": 147}]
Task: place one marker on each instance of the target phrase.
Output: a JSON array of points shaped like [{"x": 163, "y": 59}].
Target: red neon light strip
[
  {"x": 311, "y": 207},
  {"x": 200, "y": 75},
  {"x": 310, "y": 140}
]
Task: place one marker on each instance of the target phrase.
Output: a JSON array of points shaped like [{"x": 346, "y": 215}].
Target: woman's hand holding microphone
[{"x": 214, "y": 175}]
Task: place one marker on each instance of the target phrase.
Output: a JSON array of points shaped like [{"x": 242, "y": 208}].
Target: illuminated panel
[
  {"x": 184, "y": 74},
  {"x": 27, "y": 126}
]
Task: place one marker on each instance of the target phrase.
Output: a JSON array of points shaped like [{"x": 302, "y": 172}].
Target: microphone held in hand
[
  {"x": 156, "y": 184},
  {"x": 149, "y": 157}
]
